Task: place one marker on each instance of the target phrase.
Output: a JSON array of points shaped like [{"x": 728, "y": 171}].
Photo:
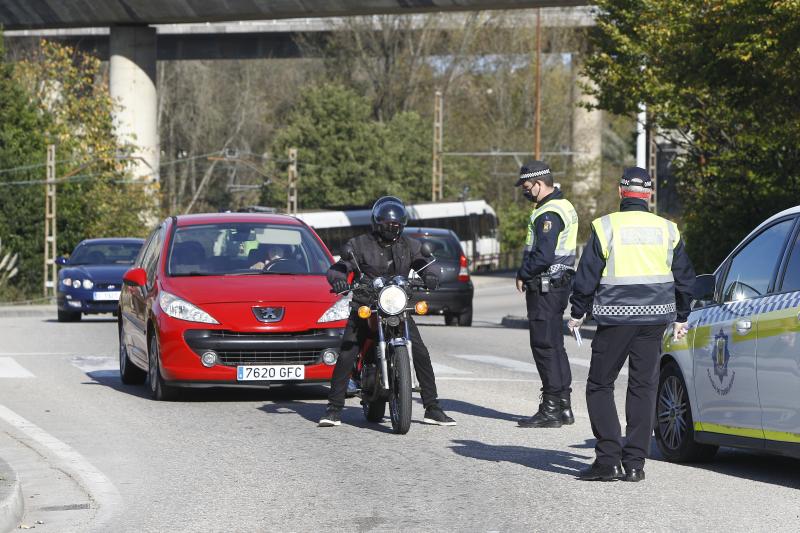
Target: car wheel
[
  {"x": 451, "y": 319},
  {"x": 129, "y": 373},
  {"x": 674, "y": 425},
  {"x": 68, "y": 316},
  {"x": 159, "y": 390},
  {"x": 465, "y": 318}
]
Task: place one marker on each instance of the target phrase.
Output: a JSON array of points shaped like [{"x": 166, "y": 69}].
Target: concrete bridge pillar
[
  {"x": 587, "y": 140},
  {"x": 132, "y": 84}
]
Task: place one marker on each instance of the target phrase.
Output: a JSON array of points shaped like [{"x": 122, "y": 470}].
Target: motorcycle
[{"x": 385, "y": 364}]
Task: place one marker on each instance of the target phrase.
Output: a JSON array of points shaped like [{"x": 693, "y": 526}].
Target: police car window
[
  {"x": 791, "y": 279},
  {"x": 752, "y": 268}
]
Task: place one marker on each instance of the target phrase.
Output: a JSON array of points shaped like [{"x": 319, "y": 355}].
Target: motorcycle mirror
[
  {"x": 348, "y": 254},
  {"x": 426, "y": 249}
]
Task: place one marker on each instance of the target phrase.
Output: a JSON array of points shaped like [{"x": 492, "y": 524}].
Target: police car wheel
[{"x": 674, "y": 426}]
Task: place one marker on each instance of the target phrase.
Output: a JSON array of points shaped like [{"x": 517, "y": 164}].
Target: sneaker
[
  {"x": 437, "y": 417},
  {"x": 333, "y": 417}
]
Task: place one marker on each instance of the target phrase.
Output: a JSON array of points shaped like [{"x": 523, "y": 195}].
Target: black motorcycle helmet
[{"x": 389, "y": 218}]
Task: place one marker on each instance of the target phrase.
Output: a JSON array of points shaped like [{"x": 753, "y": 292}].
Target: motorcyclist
[{"x": 382, "y": 252}]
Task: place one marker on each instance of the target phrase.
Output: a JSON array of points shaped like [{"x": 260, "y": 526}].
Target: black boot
[
  {"x": 567, "y": 417},
  {"x": 548, "y": 416}
]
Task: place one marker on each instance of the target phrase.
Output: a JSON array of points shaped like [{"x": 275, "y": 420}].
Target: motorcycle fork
[
  {"x": 414, "y": 382},
  {"x": 382, "y": 356}
]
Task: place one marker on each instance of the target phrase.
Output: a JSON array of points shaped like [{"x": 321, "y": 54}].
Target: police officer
[
  {"x": 637, "y": 277},
  {"x": 545, "y": 277},
  {"x": 382, "y": 252}
]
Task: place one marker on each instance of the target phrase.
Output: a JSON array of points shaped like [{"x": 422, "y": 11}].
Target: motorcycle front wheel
[{"x": 400, "y": 395}]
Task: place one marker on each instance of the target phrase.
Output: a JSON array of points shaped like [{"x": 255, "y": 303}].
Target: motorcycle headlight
[
  {"x": 392, "y": 300},
  {"x": 183, "y": 310},
  {"x": 338, "y": 311},
  {"x": 88, "y": 284}
]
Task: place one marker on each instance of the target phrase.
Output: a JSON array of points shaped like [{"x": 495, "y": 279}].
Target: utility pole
[
  {"x": 291, "y": 189},
  {"x": 50, "y": 276},
  {"x": 437, "y": 176},
  {"x": 537, "y": 121},
  {"x": 652, "y": 164}
]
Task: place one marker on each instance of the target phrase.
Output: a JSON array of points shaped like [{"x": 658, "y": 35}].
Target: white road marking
[
  {"x": 95, "y": 363},
  {"x": 9, "y": 368},
  {"x": 586, "y": 363},
  {"x": 498, "y": 380},
  {"x": 439, "y": 368},
  {"x": 510, "y": 364},
  {"x": 18, "y": 354},
  {"x": 101, "y": 490}
]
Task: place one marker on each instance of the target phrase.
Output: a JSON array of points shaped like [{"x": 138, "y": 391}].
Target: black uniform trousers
[
  {"x": 356, "y": 332},
  {"x": 545, "y": 316},
  {"x": 610, "y": 347}
]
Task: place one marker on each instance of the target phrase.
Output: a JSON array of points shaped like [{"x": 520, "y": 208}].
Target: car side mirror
[
  {"x": 61, "y": 260},
  {"x": 704, "y": 287},
  {"x": 426, "y": 249},
  {"x": 136, "y": 277}
]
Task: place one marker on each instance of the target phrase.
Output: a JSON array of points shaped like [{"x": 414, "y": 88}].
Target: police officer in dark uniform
[
  {"x": 383, "y": 252},
  {"x": 636, "y": 278},
  {"x": 545, "y": 277}
]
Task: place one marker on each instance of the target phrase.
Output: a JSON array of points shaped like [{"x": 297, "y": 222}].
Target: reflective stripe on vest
[
  {"x": 567, "y": 244},
  {"x": 637, "y": 286}
]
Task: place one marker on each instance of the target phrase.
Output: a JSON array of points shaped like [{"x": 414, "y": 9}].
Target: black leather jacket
[{"x": 377, "y": 259}]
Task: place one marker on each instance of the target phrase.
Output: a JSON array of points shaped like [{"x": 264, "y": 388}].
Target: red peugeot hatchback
[{"x": 229, "y": 300}]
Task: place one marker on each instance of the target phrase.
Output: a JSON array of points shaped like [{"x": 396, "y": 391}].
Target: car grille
[
  {"x": 264, "y": 348},
  {"x": 300, "y": 357}
]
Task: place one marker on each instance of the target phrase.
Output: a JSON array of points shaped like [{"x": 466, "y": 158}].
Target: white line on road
[
  {"x": 9, "y": 368},
  {"x": 439, "y": 368},
  {"x": 511, "y": 364},
  {"x": 100, "y": 488},
  {"x": 19, "y": 354}
]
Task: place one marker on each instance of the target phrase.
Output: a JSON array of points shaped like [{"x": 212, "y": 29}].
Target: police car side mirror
[
  {"x": 704, "y": 287},
  {"x": 426, "y": 249}
]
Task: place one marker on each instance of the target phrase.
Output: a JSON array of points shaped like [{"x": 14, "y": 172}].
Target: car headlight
[
  {"x": 76, "y": 283},
  {"x": 88, "y": 284},
  {"x": 338, "y": 311},
  {"x": 392, "y": 300},
  {"x": 183, "y": 310},
  {"x": 67, "y": 282}
]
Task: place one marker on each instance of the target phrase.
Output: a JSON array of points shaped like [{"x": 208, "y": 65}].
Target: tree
[{"x": 721, "y": 79}]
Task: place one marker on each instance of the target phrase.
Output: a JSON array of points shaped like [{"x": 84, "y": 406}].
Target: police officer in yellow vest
[
  {"x": 637, "y": 278},
  {"x": 545, "y": 276}
]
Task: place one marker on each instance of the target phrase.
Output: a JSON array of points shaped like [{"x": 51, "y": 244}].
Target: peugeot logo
[{"x": 268, "y": 314}]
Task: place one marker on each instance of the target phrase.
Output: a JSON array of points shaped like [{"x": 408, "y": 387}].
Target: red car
[{"x": 229, "y": 300}]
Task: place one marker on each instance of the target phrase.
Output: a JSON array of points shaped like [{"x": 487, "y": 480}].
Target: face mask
[{"x": 528, "y": 193}]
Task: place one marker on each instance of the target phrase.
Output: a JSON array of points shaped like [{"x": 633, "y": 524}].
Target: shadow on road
[
  {"x": 459, "y": 406},
  {"x": 85, "y": 320},
  {"x": 312, "y": 412},
  {"x": 557, "y": 461}
]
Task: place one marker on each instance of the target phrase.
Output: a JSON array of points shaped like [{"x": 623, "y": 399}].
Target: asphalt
[{"x": 12, "y": 505}]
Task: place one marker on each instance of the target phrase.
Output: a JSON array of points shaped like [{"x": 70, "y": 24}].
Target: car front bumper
[
  {"x": 447, "y": 299},
  {"x": 80, "y": 301}
]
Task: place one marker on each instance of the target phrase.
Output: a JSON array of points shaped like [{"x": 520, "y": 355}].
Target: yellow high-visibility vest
[
  {"x": 567, "y": 245},
  {"x": 637, "y": 286}
]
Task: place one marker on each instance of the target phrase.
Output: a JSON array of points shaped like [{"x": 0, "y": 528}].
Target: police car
[{"x": 734, "y": 380}]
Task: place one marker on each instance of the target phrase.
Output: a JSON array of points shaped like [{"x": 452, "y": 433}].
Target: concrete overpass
[{"x": 133, "y": 27}]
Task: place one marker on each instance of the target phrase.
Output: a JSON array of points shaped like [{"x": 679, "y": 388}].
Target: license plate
[
  {"x": 108, "y": 296},
  {"x": 270, "y": 373}
]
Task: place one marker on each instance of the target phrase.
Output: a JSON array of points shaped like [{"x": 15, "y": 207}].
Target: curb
[
  {"x": 12, "y": 505},
  {"x": 24, "y": 311}
]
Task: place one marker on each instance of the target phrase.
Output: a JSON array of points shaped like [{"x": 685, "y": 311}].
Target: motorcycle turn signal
[
  {"x": 421, "y": 307},
  {"x": 364, "y": 311}
]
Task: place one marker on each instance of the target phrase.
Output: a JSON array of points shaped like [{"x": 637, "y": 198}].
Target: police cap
[
  {"x": 636, "y": 180},
  {"x": 532, "y": 170}
]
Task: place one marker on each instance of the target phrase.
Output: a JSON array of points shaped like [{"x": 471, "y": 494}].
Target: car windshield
[
  {"x": 226, "y": 249},
  {"x": 106, "y": 253},
  {"x": 443, "y": 246}
]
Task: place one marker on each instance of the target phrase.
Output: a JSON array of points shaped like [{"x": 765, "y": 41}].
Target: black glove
[
  {"x": 340, "y": 286},
  {"x": 431, "y": 282}
]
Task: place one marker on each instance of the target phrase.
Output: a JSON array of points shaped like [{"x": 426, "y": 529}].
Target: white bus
[{"x": 474, "y": 221}]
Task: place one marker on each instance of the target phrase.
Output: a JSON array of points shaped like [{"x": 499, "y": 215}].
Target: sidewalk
[
  {"x": 12, "y": 504},
  {"x": 16, "y": 311}
]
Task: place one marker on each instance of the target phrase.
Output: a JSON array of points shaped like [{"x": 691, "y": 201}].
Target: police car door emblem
[
  {"x": 720, "y": 356},
  {"x": 268, "y": 314}
]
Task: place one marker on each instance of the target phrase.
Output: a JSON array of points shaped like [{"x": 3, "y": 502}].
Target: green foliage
[
  {"x": 723, "y": 79},
  {"x": 59, "y": 96},
  {"x": 345, "y": 157},
  {"x": 513, "y": 221}
]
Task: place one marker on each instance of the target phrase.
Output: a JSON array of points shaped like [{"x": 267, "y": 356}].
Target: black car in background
[
  {"x": 90, "y": 280},
  {"x": 453, "y": 298}
]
